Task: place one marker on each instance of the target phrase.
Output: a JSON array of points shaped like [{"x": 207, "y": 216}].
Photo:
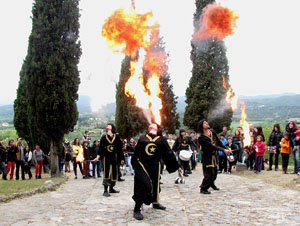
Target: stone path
[{"x": 241, "y": 201}]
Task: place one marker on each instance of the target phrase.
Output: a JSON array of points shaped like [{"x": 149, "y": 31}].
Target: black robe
[
  {"x": 209, "y": 146},
  {"x": 146, "y": 161},
  {"x": 111, "y": 152}
]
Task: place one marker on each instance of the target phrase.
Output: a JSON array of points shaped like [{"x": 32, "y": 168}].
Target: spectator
[
  {"x": 38, "y": 156},
  {"x": 86, "y": 162},
  {"x": 20, "y": 160},
  {"x": 274, "y": 146},
  {"x": 234, "y": 149},
  {"x": 252, "y": 131},
  {"x": 67, "y": 156},
  {"x": 225, "y": 132},
  {"x": 11, "y": 158},
  {"x": 285, "y": 152},
  {"x": 171, "y": 141},
  {"x": 96, "y": 163},
  {"x": 77, "y": 148},
  {"x": 237, "y": 139},
  {"x": 291, "y": 129},
  {"x": 61, "y": 155},
  {"x": 2, "y": 161},
  {"x": 194, "y": 142},
  {"x": 296, "y": 150},
  {"x": 250, "y": 155},
  {"x": 27, "y": 161},
  {"x": 130, "y": 147},
  {"x": 260, "y": 149},
  {"x": 223, "y": 156},
  {"x": 259, "y": 132}
]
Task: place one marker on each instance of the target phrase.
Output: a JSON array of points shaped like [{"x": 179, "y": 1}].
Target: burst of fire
[
  {"x": 133, "y": 33},
  {"x": 80, "y": 157},
  {"x": 128, "y": 32},
  {"x": 216, "y": 22},
  {"x": 245, "y": 125},
  {"x": 231, "y": 98}
]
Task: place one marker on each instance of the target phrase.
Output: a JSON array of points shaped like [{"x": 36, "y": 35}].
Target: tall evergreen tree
[
  {"x": 129, "y": 119},
  {"x": 206, "y": 91},
  {"x": 49, "y": 76}
]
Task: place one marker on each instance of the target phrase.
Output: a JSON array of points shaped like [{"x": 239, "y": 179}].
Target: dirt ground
[{"x": 290, "y": 181}]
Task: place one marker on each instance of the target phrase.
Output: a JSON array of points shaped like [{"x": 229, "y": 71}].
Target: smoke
[{"x": 218, "y": 111}]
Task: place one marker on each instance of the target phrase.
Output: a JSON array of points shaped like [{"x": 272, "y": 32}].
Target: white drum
[{"x": 185, "y": 155}]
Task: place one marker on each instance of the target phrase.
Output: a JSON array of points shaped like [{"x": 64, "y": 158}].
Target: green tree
[
  {"x": 129, "y": 118},
  {"x": 205, "y": 91},
  {"x": 51, "y": 76}
]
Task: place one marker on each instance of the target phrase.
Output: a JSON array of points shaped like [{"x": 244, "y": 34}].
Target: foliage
[
  {"x": 205, "y": 95},
  {"x": 49, "y": 78}
]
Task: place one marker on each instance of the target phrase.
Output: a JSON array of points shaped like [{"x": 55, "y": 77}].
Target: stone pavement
[{"x": 240, "y": 201}]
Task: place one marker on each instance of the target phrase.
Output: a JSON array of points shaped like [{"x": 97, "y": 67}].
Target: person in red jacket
[{"x": 260, "y": 149}]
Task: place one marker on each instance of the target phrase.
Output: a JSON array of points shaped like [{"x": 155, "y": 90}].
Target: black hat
[
  {"x": 200, "y": 125},
  {"x": 181, "y": 130}
]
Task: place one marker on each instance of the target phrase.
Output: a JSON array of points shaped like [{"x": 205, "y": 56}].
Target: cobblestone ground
[{"x": 240, "y": 201}]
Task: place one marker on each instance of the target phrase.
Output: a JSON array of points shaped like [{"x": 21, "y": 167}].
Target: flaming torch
[
  {"x": 132, "y": 33},
  {"x": 245, "y": 125}
]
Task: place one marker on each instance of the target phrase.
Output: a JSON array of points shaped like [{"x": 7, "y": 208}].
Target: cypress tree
[
  {"x": 50, "y": 73},
  {"x": 205, "y": 91}
]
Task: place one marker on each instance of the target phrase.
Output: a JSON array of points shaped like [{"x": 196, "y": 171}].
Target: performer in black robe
[
  {"x": 146, "y": 161},
  {"x": 111, "y": 152},
  {"x": 182, "y": 143},
  {"x": 209, "y": 145}
]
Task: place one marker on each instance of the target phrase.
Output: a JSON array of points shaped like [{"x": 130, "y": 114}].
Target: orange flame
[
  {"x": 127, "y": 32},
  {"x": 231, "y": 98},
  {"x": 130, "y": 33},
  {"x": 80, "y": 157},
  {"x": 245, "y": 125},
  {"x": 216, "y": 22}
]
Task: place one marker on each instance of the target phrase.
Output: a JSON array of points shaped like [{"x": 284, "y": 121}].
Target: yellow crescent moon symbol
[
  {"x": 152, "y": 149},
  {"x": 110, "y": 148}
]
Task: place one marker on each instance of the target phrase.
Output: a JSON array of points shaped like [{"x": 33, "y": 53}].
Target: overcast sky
[{"x": 263, "y": 52}]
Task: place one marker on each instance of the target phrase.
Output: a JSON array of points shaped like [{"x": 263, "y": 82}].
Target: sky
[{"x": 263, "y": 52}]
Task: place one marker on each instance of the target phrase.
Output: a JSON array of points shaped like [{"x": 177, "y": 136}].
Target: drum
[{"x": 185, "y": 155}]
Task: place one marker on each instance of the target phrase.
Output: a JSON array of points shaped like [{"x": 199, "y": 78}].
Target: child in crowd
[
  {"x": 285, "y": 152},
  {"x": 260, "y": 149},
  {"x": 297, "y": 135},
  {"x": 222, "y": 156},
  {"x": 234, "y": 148}
]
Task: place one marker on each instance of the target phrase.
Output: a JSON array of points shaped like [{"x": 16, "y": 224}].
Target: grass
[
  {"x": 9, "y": 187},
  {"x": 273, "y": 177}
]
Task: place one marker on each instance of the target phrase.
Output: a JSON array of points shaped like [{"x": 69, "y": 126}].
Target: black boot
[
  {"x": 106, "y": 194},
  {"x": 205, "y": 192},
  {"x": 138, "y": 215},
  {"x": 159, "y": 207},
  {"x": 215, "y": 188}
]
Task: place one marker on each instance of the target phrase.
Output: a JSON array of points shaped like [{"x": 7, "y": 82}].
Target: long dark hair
[
  {"x": 276, "y": 126},
  {"x": 74, "y": 143},
  {"x": 113, "y": 128},
  {"x": 200, "y": 125}
]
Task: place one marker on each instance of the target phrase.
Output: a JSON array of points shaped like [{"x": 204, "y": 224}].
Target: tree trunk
[{"x": 54, "y": 159}]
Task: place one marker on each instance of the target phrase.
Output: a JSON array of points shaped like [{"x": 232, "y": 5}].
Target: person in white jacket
[{"x": 28, "y": 161}]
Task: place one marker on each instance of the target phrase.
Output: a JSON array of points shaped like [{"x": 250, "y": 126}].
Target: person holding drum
[{"x": 182, "y": 148}]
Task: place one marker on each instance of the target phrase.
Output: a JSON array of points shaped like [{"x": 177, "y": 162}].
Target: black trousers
[
  {"x": 185, "y": 166},
  {"x": 271, "y": 160},
  {"x": 285, "y": 160},
  {"x": 3, "y": 169},
  {"x": 223, "y": 163},
  {"x": 210, "y": 175},
  {"x": 75, "y": 166},
  {"x": 27, "y": 170},
  {"x": 20, "y": 164},
  {"x": 251, "y": 161}
]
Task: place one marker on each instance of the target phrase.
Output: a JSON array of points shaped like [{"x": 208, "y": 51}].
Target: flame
[
  {"x": 245, "y": 125},
  {"x": 128, "y": 32},
  {"x": 133, "y": 33},
  {"x": 80, "y": 157},
  {"x": 216, "y": 22},
  {"x": 231, "y": 98}
]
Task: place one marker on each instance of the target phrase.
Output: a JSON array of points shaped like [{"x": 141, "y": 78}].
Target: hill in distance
[{"x": 258, "y": 108}]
